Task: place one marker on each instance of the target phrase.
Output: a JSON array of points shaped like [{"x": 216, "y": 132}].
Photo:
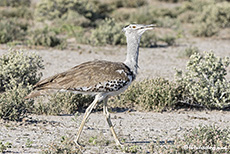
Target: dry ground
[{"x": 141, "y": 128}]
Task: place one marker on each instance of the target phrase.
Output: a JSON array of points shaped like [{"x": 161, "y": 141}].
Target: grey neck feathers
[{"x": 132, "y": 53}]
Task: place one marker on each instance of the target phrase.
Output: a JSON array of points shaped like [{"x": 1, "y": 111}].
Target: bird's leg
[
  {"x": 107, "y": 115},
  {"x": 86, "y": 115}
]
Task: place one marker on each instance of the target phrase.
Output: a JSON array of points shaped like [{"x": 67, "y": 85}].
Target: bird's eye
[{"x": 134, "y": 26}]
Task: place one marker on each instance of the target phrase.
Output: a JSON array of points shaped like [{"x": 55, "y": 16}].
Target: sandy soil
[
  {"x": 37, "y": 132},
  {"x": 133, "y": 127}
]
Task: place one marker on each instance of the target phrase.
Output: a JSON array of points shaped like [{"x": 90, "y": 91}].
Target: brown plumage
[{"x": 92, "y": 77}]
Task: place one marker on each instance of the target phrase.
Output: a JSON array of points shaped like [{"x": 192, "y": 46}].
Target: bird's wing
[{"x": 92, "y": 76}]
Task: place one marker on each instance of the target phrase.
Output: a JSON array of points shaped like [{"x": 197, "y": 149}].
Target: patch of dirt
[
  {"x": 135, "y": 128},
  {"x": 37, "y": 132}
]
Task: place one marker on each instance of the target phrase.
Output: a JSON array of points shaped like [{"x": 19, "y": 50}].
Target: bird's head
[{"x": 136, "y": 29}]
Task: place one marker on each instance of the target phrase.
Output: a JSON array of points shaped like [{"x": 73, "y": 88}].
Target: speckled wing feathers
[{"x": 93, "y": 76}]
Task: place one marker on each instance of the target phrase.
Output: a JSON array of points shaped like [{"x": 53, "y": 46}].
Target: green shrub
[
  {"x": 208, "y": 136},
  {"x": 18, "y": 71},
  {"x": 168, "y": 22},
  {"x": 128, "y": 3},
  {"x": 45, "y": 37},
  {"x": 12, "y": 103},
  {"x": 193, "y": 5},
  {"x": 169, "y": 39},
  {"x": 18, "y": 12},
  {"x": 51, "y": 9},
  {"x": 74, "y": 18},
  {"x": 149, "y": 39},
  {"x": 20, "y": 67},
  {"x": 208, "y": 17},
  {"x": 75, "y": 31},
  {"x": 211, "y": 19},
  {"x": 12, "y": 29},
  {"x": 144, "y": 15},
  {"x": 122, "y": 14},
  {"x": 205, "y": 80},
  {"x": 205, "y": 29},
  {"x": 15, "y": 3},
  {"x": 108, "y": 32},
  {"x": 187, "y": 17},
  {"x": 202, "y": 139},
  {"x": 62, "y": 103},
  {"x": 156, "y": 94},
  {"x": 215, "y": 13},
  {"x": 187, "y": 52},
  {"x": 153, "y": 15}
]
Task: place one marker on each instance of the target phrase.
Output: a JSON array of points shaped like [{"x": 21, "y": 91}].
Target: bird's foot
[
  {"x": 118, "y": 143},
  {"x": 78, "y": 145}
]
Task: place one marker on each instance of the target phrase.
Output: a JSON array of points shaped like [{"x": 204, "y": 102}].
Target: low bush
[
  {"x": 215, "y": 13},
  {"x": 18, "y": 12},
  {"x": 128, "y": 3},
  {"x": 156, "y": 94},
  {"x": 122, "y": 14},
  {"x": 62, "y": 103},
  {"x": 21, "y": 67},
  {"x": 152, "y": 15},
  {"x": 208, "y": 136},
  {"x": 201, "y": 139},
  {"x": 195, "y": 6},
  {"x": 13, "y": 106},
  {"x": 12, "y": 29},
  {"x": 208, "y": 17},
  {"x": 75, "y": 19},
  {"x": 45, "y": 37},
  {"x": 149, "y": 39},
  {"x": 51, "y": 10},
  {"x": 15, "y": 3},
  {"x": 205, "y": 80},
  {"x": 187, "y": 17},
  {"x": 144, "y": 15},
  {"x": 108, "y": 32},
  {"x": 152, "y": 39},
  {"x": 18, "y": 71},
  {"x": 169, "y": 39},
  {"x": 78, "y": 32},
  {"x": 205, "y": 29},
  {"x": 168, "y": 22},
  {"x": 187, "y": 52}
]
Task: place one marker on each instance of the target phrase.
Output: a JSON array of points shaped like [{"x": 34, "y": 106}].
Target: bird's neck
[{"x": 132, "y": 53}]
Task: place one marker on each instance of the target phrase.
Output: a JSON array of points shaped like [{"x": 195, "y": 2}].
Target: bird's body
[
  {"x": 91, "y": 77},
  {"x": 98, "y": 77}
]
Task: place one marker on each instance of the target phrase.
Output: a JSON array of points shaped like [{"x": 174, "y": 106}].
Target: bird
[{"x": 100, "y": 78}]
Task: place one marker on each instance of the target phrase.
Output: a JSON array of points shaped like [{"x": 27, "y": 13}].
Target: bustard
[{"x": 100, "y": 78}]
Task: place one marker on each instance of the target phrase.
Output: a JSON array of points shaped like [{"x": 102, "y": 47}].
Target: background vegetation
[
  {"x": 50, "y": 23},
  {"x": 202, "y": 85}
]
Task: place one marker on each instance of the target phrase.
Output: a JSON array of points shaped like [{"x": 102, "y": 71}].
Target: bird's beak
[{"x": 148, "y": 27}]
